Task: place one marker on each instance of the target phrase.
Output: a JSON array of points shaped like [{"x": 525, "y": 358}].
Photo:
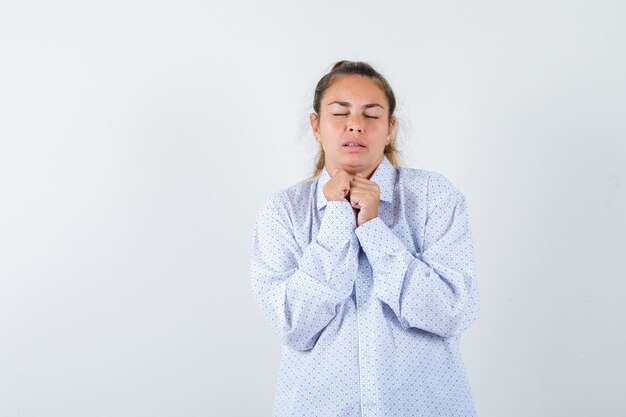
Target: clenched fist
[
  {"x": 363, "y": 194},
  {"x": 337, "y": 187}
]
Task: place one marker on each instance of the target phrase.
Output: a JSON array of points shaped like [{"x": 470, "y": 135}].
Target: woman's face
[{"x": 354, "y": 110}]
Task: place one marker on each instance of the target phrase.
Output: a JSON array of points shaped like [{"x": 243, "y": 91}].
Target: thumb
[
  {"x": 359, "y": 217},
  {"x": 360, "y": 174}
]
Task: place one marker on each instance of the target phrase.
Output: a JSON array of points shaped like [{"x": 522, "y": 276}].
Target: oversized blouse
[{"x": 369, "y": 317}]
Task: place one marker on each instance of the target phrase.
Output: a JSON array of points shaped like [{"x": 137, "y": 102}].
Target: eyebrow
[{"x": 365, "y": 106}]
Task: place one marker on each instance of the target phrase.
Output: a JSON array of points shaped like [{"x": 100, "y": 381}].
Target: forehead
[{"x": 357, "y": 89}]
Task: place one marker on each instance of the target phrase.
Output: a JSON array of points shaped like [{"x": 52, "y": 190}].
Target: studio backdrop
[{"x": 138, "y": 140}]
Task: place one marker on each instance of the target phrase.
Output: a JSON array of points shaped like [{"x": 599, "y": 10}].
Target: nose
[{"x": 355, "y": 124}]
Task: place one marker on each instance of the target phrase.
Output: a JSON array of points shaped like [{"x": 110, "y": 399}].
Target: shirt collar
[{"x": 384, "y": 175}]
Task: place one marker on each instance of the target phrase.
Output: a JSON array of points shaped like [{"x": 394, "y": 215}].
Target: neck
[{"x": 367, "y": 172}]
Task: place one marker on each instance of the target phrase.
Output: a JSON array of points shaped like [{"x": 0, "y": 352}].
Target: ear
[
  {"x": 392, "y": 124},
  {"x": 315, "y": 125}
]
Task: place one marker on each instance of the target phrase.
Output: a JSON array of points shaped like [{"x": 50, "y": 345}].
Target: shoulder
[
  {"x": 296, "y": 195},
  {"x": 432, "y": 181},
  {"x": 285, "y": 200},
  {"x": 432, "y": 185}
]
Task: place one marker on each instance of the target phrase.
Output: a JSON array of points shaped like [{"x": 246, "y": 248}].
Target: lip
[
  {"x": 358, "y": 142},
  {"x": 353, "y": 149}
]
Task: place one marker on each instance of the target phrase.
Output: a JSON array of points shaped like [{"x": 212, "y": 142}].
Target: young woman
[{"x": 366, "y": 270}]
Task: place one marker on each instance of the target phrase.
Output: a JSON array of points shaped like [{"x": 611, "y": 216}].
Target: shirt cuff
[
  {"x": 391, "y": 262},
  {"x": 378, "y": 240},
  {"x": 338, "y": 224}
]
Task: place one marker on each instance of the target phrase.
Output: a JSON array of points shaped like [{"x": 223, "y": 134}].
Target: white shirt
[{"x": 370, "y": 317}]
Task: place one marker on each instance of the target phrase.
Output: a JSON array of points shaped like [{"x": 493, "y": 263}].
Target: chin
[
  {"x": 356, "y": 159},
  {"x": 354, "y": 167},
  {"x": 354, "y": 162}
]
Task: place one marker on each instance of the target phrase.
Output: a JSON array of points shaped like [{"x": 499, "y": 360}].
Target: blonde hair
[{"x": 366, "y": 70}]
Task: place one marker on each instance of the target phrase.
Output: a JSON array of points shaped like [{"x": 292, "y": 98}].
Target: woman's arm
[
  {"x": 299, "y": 290},
  {"x": 436, "y": 291}
]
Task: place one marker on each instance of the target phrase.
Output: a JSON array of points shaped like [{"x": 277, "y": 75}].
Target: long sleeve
[
  {"x": 436, "y": 290},
  {"x": 299, "y": 289}
]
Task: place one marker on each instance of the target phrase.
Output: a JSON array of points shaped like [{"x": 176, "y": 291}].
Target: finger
[
  {"x": 362, "y": 182},
  {"x": 344, "y": 173},
  {"x": 361, "y": 178}
]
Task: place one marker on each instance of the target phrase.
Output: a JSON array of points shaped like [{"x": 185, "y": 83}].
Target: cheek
[
  {"x": 332, "y": 126},
  {"x": 379, "y": 129},
  {"x": 336, "y": 122}
]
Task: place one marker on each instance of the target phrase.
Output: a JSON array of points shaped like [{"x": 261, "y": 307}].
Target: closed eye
[{"x": 345, "y": 114}]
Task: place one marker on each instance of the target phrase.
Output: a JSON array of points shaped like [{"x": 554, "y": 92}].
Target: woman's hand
[
  {"x": 338, "y": 186},
  {"x": 364, "y": 196}
]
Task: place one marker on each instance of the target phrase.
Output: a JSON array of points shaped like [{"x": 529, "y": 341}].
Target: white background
[{"x": 139, "y": 139}]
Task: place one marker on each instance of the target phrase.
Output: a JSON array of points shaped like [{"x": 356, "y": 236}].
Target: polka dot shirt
[{"x": 369, "y": 317}]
